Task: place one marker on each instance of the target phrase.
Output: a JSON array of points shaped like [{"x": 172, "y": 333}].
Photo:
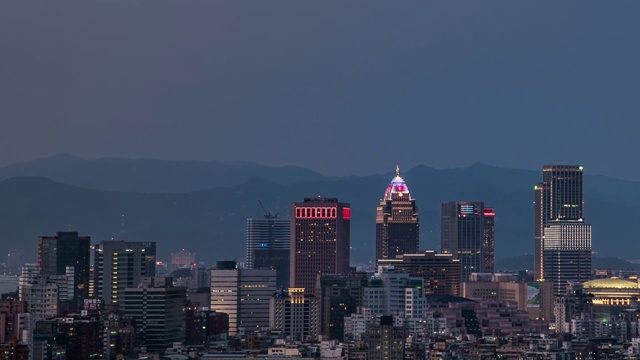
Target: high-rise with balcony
[
  {"x": 397, "y": 225},
  {"x": 320, "y": 242},
  {"x": 468, "y": 231}
]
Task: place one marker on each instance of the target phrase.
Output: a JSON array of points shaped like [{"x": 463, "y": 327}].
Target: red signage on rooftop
[{"x": 314, "y": 212}]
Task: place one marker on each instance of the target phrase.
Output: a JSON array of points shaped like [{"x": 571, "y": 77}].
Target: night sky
[{"x": 341, "y": 87}]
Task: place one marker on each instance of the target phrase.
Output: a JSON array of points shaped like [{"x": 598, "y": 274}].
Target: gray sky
[{"x": 342, "y": 87}]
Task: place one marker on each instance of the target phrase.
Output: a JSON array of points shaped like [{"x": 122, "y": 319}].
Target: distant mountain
[
  {"x": 150, "y": 176},
  {"x": 525, "y": 262},
  {"x": 212, "y": 221}
]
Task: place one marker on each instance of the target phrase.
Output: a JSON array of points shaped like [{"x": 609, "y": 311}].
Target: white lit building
[
  {"x": 566, "y": 249},
  {"x": 243, "y": 294}
]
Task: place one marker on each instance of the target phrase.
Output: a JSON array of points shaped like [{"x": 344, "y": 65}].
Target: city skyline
[
  {"x": 429, "y": 233},
  {"x": 410, "y": 288},
  {"x": 223, "y": 180}
]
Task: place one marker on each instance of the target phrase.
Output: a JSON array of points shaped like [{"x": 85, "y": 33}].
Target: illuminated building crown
[{"x": 398, "y": 189}]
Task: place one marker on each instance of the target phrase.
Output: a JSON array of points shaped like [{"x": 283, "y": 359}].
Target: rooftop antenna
[
  {"x": 267, "y": 213},
  {"x": 122, "y": 224}
]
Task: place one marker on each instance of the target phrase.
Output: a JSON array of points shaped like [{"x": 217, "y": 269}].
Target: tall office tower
[
  {"x": 295, "y": 314},
  {"x": 488, "y": 240},
  {"x": 559, "y": 197},
  {"x": 566, "y": 254},
  {"x": 55, "y": 253},
  {"x": 158, "y": 311},
  {"x": 441, "y": 272},
  {"x": 320, "y": 243},
  {"x": 119, "y": 265},
  {"x": 268, "y": 246},
  {"x": 340, "y": 296},
  {"x": 468, "y": 235},
  {"x": 397, "y": 225},
  {"x": 385, "y": 341},
  {"x": 243, "y": 294}
]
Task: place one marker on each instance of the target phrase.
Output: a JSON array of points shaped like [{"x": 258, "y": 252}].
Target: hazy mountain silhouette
[
  {"x": 150, "y": 175},
  {"x": 212, "y": 222}
]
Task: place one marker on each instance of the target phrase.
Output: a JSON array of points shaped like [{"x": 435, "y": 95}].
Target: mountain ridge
[{"x": 212, "y": 221}]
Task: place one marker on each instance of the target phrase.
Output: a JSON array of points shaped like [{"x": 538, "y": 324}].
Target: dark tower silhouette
[
  {"x": 55, "y": 253},
  {"x": 320, "y": 242}
]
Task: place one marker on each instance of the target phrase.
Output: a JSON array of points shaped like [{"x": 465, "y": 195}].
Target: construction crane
[{"x": 267, "y": 213}]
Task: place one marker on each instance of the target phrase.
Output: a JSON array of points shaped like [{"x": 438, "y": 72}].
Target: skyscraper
[
  {"x": 243, "y": 294},
  {"x": 559, "y": 197},
  {"x": 320, "y": 242},
  {"x": 268, "y": 246},
  {"x": 120, "y": 265},
  {"x": 468, "y": 233},
  {"x": 158, "y": 311},
  {"x": 55, "y": 253},
  {"x": 562, "y": 238},
  {"x": 489, "y": 241},
  {"x": 566, "y": 254},
  {"x": 397, "y": 225}
]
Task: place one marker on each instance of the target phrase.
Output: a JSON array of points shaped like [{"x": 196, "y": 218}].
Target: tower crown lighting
[{"x": 397, "y": 189}]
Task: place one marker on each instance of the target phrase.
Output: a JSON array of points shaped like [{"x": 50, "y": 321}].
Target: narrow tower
[
  {"x": 397, "y": 225},
  {"x": 468, "y": 232}
]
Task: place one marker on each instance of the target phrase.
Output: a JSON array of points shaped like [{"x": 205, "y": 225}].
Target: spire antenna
[{"x": 397, "y": 170}]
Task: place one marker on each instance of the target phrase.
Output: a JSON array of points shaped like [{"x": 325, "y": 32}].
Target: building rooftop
[
  {"x": 397, "y": 187},
  {"x": 612, "y": 283}
]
